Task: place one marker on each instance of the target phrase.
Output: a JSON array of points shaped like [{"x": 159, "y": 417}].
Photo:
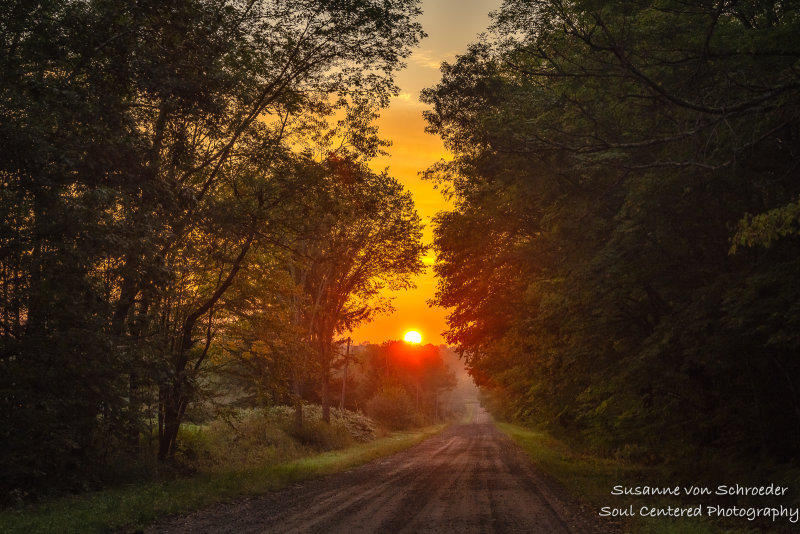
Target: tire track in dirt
[{"x": 470, "y": 478}]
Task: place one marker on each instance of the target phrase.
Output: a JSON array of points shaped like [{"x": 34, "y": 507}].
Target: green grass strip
[
  {"x": 591, "y": 480},
  {"x": 137, "y": 505}
]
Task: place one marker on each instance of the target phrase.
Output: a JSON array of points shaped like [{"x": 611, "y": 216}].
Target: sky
[{"x": 451, "y": 25}]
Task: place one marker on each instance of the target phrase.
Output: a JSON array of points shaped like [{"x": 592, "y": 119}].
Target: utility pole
[{"x": 344, "y": 380}]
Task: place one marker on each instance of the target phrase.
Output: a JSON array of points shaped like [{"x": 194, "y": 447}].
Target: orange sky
[{"x": 451, "y": 25}]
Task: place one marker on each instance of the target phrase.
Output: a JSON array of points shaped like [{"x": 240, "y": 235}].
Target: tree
[
  {"x": 608, "y": 153},
  {"x": 140, "y": 143},
  {"x": 403, "y": 382},
  {"x": 366, "y": 236},
  {"x": 275, "y": 73}
]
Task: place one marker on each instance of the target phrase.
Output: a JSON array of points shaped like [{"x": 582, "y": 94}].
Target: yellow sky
[{"x": 451, "y": 25}]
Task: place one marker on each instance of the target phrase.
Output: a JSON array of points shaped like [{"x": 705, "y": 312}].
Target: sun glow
[{"x": 413, "y": 336}]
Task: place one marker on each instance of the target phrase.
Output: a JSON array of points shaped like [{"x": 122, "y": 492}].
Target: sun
[{"x": 412, "y": 336}]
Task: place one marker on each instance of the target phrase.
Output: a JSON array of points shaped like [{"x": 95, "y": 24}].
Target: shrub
[
  {"x": 247, "y": 440},
  {"x": 257, "y": 436},
  {"x": 359, "y": 426},
  {"x": 321, "y": 436},
  {"x": 393, "y": 408}
]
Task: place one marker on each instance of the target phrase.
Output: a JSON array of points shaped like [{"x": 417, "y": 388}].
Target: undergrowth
[
  {"x": 253, "y": 437},
  {"x": 248, "y": 453},
  {"x": 591, "y": 479}
]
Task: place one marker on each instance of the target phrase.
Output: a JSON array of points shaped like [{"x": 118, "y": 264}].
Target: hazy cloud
[{"x": 430, "y": 58}]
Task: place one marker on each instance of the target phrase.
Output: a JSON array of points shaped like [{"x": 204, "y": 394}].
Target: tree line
[
  {"x": 403, "y": 385},
  {"x": 183, "y": 183},
  {"x": 622, "y": 263}
]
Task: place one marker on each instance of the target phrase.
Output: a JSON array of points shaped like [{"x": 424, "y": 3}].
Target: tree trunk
[
  {"x": 325, "y": 370},
  {"x": 326, "y": 394},
  {"x": 169, "y": 423},
  {"x": 175, "y": 399},
  {"x": 298, "y": 401}
]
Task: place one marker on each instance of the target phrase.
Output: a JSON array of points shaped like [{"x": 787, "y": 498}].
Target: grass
[
  {"x": 591, "y": 480},
  {"x": 137, "y": 505}
]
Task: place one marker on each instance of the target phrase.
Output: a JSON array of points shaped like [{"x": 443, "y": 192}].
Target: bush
[
  {"x": 321, "y": 436},
  {"x": 359, "y": 426},
  {"x": 255, "y": 437},
  {"x": 247, "y": 440},
  {"x": 393, "y": 408}
]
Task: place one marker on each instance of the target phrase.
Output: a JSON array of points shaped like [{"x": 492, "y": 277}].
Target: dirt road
[{"x": 469, "y": 479}]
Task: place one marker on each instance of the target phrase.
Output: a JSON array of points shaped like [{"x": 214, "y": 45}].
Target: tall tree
[
  {"x": 609, "y": 153},
  {"x": 367, "y": 237},
  {"x": 139, "y": 142}
]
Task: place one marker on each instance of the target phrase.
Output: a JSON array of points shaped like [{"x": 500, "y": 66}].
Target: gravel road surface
[{"x": 471, "y": 478}]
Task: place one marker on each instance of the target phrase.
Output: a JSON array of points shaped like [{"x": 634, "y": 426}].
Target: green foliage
[
  {"x": 607, "y": 156},
  {"x": 149, "y": 158},
  {"x": 592, "y": 478},
  {"x": 134, "y": 506},
  {"x": 766, "y": 228},
  {"x": 402, "y": 384},
  {"x": 321, "y": 436},
  {"x": 392, "y": 407},
  {"x": 359, "y": 427},
  {"x": 253, "y": 437}
]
